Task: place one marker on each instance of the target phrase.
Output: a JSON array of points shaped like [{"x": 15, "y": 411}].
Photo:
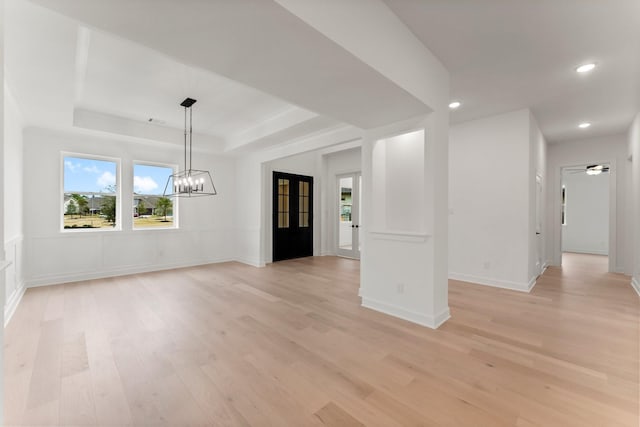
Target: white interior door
[
  {"x": 539, "y": 240},
  {"x": 348, "y": 215}
]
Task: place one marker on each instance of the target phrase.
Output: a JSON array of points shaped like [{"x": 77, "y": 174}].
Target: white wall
[
  {"x": 633, "y": 138},
  {"x": 249, "y": 212},
  {"x": 587, "y": 213},
  {"x": 13, "y": 210},
  {"x": 490, "y": 215},
  {"x": 612, "y": 150},
  {"x": 206, "y": 228}
]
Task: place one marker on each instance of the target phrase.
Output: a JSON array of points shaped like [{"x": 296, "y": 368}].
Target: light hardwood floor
[{"x": 289, "y": 345}]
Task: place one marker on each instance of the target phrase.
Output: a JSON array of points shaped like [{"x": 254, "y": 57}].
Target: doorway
[
  {"x": 292, "y": 216},
  {"x": 585, "y": 211},
  {"x": 348, "y": 215}
]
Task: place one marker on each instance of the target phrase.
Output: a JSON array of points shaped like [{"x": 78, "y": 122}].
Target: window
[
  {"x": 90, "y": 196},
  {"x": 150, "y": 208}
]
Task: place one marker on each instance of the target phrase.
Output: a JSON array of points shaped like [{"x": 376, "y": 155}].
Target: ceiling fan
[{"x": 589, "y": 170}]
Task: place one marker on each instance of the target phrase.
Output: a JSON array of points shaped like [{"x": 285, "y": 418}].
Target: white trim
[
  {"x": 12, "y": 304},
  {"x": 4, "y": 264},
  {"x": 79, "y": 277},
  {"x": 635, "y": 284},
  {"x": 13, "y": 240},
  {"x": 586, "y": 251},
  {"x": 254, "y": 262},
  {"x": 496, "y": 283},
  {"x": 402, "y": 236},
  {"x": 432, "y": 322}
]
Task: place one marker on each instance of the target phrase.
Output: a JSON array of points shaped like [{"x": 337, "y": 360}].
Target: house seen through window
[
  {"x": 90, "y": 196},
  {"x": 150, "y": 208}
]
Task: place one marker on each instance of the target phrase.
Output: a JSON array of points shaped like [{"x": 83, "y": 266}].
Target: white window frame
[
  {"x": 176, "y": 214},
  {"x": 118, "y": 193}
]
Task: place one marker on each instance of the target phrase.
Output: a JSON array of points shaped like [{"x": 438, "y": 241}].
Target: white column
[
  {"x": 404, "y": 258},
  {"x": 405, "y": 213}
]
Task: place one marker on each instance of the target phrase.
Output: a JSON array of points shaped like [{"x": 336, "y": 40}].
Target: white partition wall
[
  {"x": 404, "y": 269},
  {"x": 633, "y": 158}
]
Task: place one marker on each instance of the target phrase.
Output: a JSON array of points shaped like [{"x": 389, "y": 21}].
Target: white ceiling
[
  {"x": 504, "y": 55},
  {"x": 129, "y": 80},
  {"x": 259, "y": 44},
  {"x": 113, "y": 65}
]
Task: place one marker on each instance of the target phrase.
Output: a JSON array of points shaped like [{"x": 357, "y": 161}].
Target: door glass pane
[
  {"x": 303, "y": 204},
  {"x": 283, "y": 203},
  {"x": 303, "y": 219},
  {"x": 345, "y": 230}
]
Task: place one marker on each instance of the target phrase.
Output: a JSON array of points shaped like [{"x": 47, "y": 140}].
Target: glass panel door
[
  {"x": 348, "y": 215},
  {"x": 345, "y": 224},
  {"x": 292, "y": 216}
]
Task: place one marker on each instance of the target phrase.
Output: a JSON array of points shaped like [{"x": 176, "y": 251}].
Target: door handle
[
  {"x": 537, "y": 233},
  {"x": 357, "y": 226},
  {"x": 353, "y": 226}
]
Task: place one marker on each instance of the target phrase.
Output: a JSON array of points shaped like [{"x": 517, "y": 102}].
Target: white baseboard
[
  {"x": 12, "y": 303},
  {"x": 432, "y": 322},
  {"x": 79, "y": 277},
  {"x": 586, "y": 251},
  {"x": 635, "y": 283},
  {"x": 254, "y": 262},
  {"x": 496, "y": 283}
]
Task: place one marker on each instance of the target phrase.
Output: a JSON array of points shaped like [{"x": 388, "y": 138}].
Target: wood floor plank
[
  {"x": 289, "y": 344},
  {"x": 334, "y": 416}
]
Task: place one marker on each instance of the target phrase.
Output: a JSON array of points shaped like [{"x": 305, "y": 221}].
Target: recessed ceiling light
[
  {"x": 584, "y": 125},
  {"x": 455, "y": 104},
  {"x": 585, "y": 68}
]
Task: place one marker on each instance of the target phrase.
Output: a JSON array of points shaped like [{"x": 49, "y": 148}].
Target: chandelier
[{"x": 189, "y": 182}]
